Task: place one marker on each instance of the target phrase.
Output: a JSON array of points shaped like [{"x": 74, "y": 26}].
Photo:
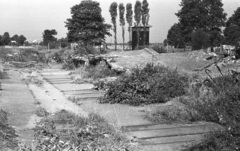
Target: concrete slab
[
  {"x": 171, "y": 132},
  {"x": 70, "y": 93},
  {"x": 73, "y": 87},
  {"x": 17, "y": 100},
  {"x": 87, "y": 96}
]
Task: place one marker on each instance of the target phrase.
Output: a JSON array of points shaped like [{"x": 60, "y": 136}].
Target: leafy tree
[
  {"x": 165, "y": 42},
  {"x": 87, "y": 25},
  {"x": 48, "y": 36},
  {"x": 175, "y": 36},
  {"x": 232, "y": 30},
  {"x": 129, "y": 17},
  {"x": 122, "y": 20},
  {"x": 137, "y": 17},
  {"x": 145, "y": 18},
  {"x": 200, "y": 39},
  {"x": 205, "y": 14},
  {"x": 63, "y": 42},
  {"x": 15, "y": 38},
  {"x": 6, "y": 40},
  {"x": 113, "y": 13},
  {"x": 21, "y": 39}
]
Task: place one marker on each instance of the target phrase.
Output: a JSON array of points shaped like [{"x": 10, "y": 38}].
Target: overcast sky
[{"x": 32, "y": 17}]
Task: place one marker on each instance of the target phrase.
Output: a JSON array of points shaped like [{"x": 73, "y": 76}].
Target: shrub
[
  {"x": 86, "y": 50},
  {"x": 151, "y": 84},
  {"x": 57, "y": 56},
  {"x": 217, "y": 141},
  {"x": 99, "y": 71},
  {"x": 173, "y": 113},
  {"x": 68, "y": 63},
  {"x": 159, "y": 48},
  {"x": 3, "y": 75}
]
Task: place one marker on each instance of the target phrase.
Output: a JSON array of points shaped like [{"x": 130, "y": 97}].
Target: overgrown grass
[
  {"x": 217, "y": 141},
  {"x": 217, "y": 102},
  {"x": 92, "y": 74},
  {"x": 7, "y": 133},
  {"x": 151, "y": 84},
  {"x": 41, "y": 112},
  {"x": 99, "y": 71},
  {"x": 3, "y": 75},
  {"x": 159, "y": 48},
  {"x": 175, "y": 112},
  {"x": 70, "y": 132}
]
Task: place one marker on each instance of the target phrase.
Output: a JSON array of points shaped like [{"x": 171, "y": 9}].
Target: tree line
[
  {"x": 51, "y": 41},
  {"x": 87, "y": 26},
  {"x": 203, "y": 24},
  {"x": 6, "y": 39},
  {"x": 141, "y": 17}
]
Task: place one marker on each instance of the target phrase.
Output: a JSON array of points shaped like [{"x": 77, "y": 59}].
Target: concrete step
[
  {"x": 93, "y": 95},
  {"x": 60, "y": 82},
  {"x": 83, "y": 99},
  {"x": 73, "y": 87},
  {"x": 171, "y": 132},
  {"x": 185, "y": 139},
  {"x": 83, "y": 92},
  {"x": 144, "y": 127}
]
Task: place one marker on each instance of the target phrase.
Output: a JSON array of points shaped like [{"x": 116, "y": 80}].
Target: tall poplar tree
[
  {"x": 145, "y": 18},
  {"x": 129, "y": 17},
  {"x": 122, "y": 20},
  {"x": 113, "y": 13},
  {"x": 137, "y": 17}
]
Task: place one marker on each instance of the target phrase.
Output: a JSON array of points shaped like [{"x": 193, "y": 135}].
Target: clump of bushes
[
  {"x": 99, "y": 71},
  {"x": 151, "y": 84},
  {"x": 159, "y": 48},
  {"x": 57, "y": 56}
]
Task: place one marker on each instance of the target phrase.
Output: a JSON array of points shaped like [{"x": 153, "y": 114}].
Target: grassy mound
[{"x": 151, "y": 84}]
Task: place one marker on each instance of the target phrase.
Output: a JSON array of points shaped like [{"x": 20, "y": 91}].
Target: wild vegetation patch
[
  {"x": 217, "y": 141},
  {"x": 7, "y": 133},
  {"x": 101, "y": 73},
  {"x": 217, "y": 102},
  {"x": 151, "y": 84},
  {"x": 3, "y": 75},
  {"x": 159, "y": 48},
  {"x": 66, "y": 131}
]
